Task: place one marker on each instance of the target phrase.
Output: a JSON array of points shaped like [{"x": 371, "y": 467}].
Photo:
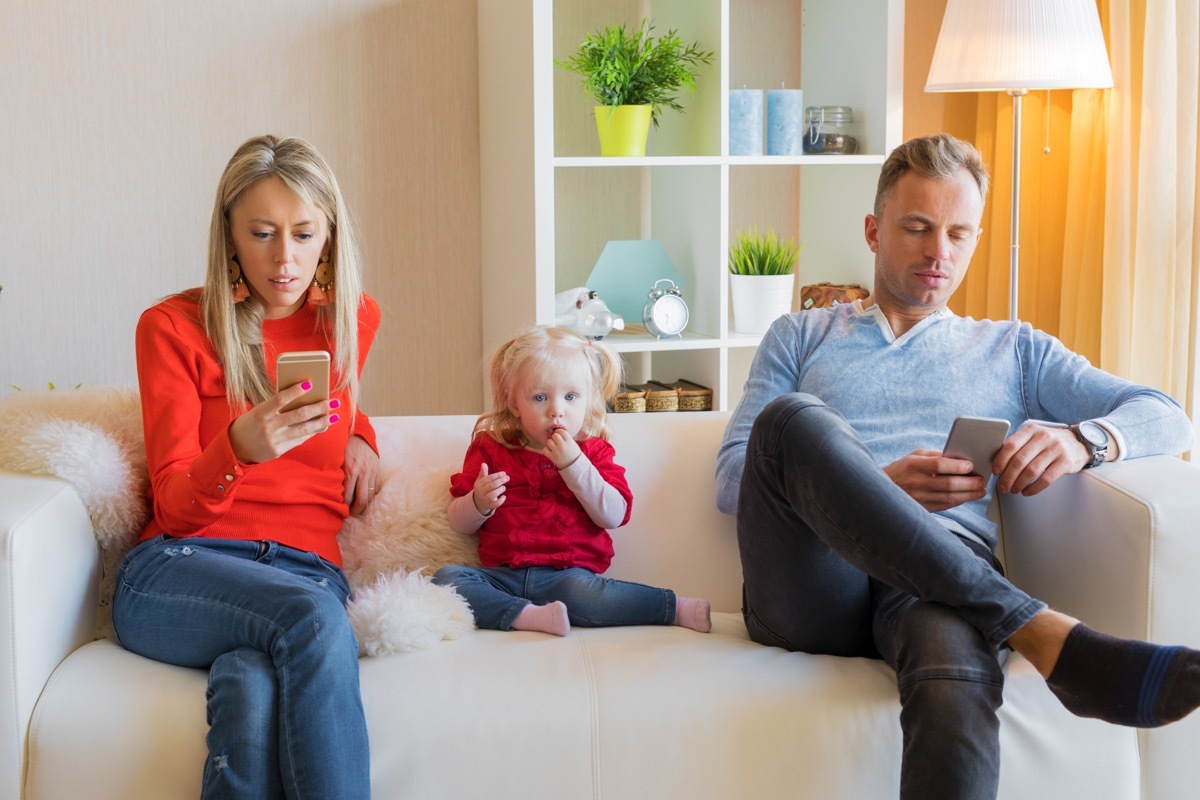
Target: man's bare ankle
[{"x": 1041, "y": 639}]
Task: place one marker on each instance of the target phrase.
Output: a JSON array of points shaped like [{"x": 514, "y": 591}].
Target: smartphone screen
[
  {"x": 976, "y": 439},
  {"x": 297, "y": 367}
]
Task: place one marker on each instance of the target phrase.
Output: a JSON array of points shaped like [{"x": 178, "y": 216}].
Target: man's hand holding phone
[
  {"x": 1037, "y": 455},
  {"x": 957, "y": 474},
  {"x": 976, "y": 439},
  {"x": 934, "y": 481}
]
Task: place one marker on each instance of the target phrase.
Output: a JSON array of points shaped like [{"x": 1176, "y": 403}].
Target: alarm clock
[{"x": 665, "y": 313}]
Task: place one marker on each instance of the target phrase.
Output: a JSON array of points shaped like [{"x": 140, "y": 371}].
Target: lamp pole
[{"x": 1015, "y": 223}]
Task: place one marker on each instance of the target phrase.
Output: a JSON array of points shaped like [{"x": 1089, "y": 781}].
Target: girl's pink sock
[
  {"x": 550, "y": 618},
  {"x": 691, "y": 612}
]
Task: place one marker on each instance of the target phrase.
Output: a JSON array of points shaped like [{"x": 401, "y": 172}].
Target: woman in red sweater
[{"x": 239, "y": 570}]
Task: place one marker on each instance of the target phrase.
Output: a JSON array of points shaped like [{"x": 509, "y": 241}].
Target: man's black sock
[{"x": 1124, "y": 681}]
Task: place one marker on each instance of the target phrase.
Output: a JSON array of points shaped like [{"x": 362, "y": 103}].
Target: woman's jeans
[
  {"x": 498, "y": 594},
  {"x": 269, "y": 624},
  {"x": 837, "y": 559}
]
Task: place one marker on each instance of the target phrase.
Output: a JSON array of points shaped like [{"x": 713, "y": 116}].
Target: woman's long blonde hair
[
  {"x": 236, "y": 329},
  {"x": 543, "y": 350}
]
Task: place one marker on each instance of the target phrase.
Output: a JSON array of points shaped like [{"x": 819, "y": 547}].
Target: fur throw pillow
[
  {"x": 395, "y": 546},
  {"x": 92, "y": 438}
]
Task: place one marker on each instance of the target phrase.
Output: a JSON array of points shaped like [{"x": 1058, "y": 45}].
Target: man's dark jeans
[{"x": 838, "y": 560}]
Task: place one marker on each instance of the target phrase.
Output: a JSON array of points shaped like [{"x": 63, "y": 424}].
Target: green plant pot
[{"x": 623, "y": 129}]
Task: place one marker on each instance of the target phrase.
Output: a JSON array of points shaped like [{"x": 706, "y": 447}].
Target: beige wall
[{"x": 117, "y": 117}]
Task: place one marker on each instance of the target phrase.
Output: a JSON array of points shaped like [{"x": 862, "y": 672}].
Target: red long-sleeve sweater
[{"x": 197, "y": 486}]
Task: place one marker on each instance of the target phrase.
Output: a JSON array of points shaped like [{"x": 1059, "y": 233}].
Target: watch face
[
  {"x": 1095, "y": 435},
  {"x": 669, "y": 314}
]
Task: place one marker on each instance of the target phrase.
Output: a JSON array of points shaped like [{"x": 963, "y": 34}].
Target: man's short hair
[{"x": 939, "y": 156}]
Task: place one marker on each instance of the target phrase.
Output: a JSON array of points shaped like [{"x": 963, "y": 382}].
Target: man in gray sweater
[{"x": 859, "y": 538}]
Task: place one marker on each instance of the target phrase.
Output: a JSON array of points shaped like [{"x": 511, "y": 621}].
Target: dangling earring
[
  {"x": 318, "y": 292},
  {"x": 237, "y": 285}
]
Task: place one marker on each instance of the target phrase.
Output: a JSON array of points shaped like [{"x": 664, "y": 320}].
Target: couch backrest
[{"x": 675, "y": 538}]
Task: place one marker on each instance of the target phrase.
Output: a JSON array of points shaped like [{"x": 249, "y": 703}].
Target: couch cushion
[
  {"x": 632, "y": 712},
  {"x": 675, "y": 537}
]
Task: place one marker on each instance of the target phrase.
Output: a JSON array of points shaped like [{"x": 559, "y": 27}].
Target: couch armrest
[
  {"x": 1114, "y": 546},
  {"x": 49, "y": 584},
  {"x": 1118, "y": 548}
]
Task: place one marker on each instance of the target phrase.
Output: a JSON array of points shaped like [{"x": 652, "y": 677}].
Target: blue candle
[
  {"x": 745, "y": 122},
  {"x": 785, "y": 122}
]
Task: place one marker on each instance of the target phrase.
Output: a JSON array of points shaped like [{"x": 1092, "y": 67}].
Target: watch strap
[{"x": 1096, "y": 454}]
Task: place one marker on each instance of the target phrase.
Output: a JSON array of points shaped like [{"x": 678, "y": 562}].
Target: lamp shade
[{"x": 1000, "y": 45}]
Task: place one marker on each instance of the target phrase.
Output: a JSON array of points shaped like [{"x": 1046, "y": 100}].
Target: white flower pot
[{"x": 759, "y": 300}]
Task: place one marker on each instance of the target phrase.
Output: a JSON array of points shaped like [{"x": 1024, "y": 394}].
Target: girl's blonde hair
[
  {"x": 236, "y": 329},
  {"x": 543, "y": 350}
]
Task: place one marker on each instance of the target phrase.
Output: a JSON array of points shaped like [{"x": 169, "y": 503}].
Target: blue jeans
[
  {"x": 837, "y": 559},
  {"x": 269, "y": 624},
  {"x": 498, "y": 594}
]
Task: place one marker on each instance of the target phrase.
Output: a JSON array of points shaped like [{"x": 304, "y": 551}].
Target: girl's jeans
[
  {"x": 269, "y": 624},
  {"x": 498, "y": 594},
  {"x": 837, "y": 559}
]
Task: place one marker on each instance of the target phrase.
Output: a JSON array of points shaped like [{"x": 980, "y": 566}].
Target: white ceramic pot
[{"x": 759, "y": 300}]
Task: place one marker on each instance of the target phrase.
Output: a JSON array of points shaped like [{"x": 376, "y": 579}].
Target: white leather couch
[{"x": 623, "y": 713}]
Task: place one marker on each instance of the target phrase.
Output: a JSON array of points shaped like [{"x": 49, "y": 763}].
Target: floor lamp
[{"x": 1013, "y": 46}]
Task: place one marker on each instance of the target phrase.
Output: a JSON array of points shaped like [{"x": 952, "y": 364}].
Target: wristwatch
[{"x": 1094, "y": 438}]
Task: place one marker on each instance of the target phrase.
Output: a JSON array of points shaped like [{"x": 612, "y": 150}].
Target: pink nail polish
[
  {"x": 306, "y": 385},
  {"x": 333, "y": 418},
  {"x": 335, "y": 403}
]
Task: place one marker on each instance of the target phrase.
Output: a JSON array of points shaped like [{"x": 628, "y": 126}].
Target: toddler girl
[{"x": 540, "y": 485}]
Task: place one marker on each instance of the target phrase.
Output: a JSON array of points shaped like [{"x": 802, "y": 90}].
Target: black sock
[{"x": 1124, "y": 681}]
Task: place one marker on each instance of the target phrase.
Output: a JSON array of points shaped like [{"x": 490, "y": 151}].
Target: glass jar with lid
[{"x": 829, "y": 130}]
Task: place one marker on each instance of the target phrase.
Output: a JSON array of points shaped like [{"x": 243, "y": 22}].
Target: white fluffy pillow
[{"x": 89, "y": 437}]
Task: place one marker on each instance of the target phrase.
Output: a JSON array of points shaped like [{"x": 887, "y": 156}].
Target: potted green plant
[
  {"x": 762, "y": 279},
  {"x": 633, "y": 76}
]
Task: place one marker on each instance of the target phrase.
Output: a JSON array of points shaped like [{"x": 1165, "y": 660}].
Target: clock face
[{"x": 670, "y": 314}]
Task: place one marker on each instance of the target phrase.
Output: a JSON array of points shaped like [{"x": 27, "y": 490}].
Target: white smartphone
[
  {"x": 977, "y": 439},
  {"x": 300, "y": 366}
]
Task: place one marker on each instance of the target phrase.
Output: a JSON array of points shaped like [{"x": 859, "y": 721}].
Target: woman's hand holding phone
[{"x": 286, "y": 420}]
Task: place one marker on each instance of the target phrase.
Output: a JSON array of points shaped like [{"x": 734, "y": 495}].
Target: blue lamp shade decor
[{"x": 625, "y": 272}]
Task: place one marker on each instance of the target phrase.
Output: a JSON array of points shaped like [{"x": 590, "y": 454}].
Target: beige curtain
[{"x": 1151, "y": 257}]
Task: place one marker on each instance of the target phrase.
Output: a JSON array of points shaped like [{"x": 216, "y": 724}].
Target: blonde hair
[
  {"x": 540, "y": 351},
  {"x": 236, "y": 329}
]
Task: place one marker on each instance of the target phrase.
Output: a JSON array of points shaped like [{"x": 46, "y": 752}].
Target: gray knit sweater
[{"x": 902, "y": 394}]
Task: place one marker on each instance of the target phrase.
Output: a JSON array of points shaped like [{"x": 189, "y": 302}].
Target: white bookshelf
[{"x": 550, "y": 202}]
